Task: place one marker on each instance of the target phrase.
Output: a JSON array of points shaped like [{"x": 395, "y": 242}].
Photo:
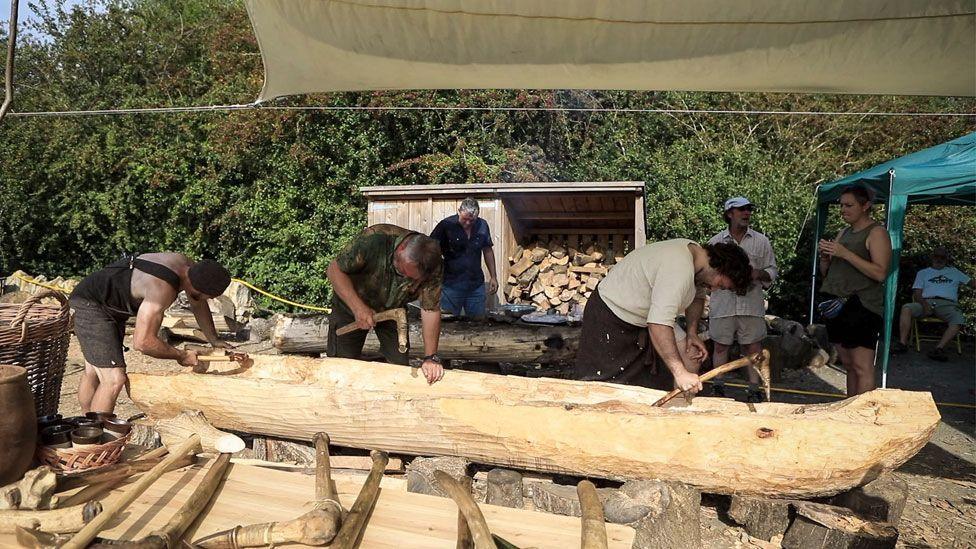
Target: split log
[
  {"x": 504, "y": 488},
  {"x": 57, "y": 521},
  {"x": 820, "y": 526},
  {"x": 670, "y": 513},
  {"x": 771, "y": 449},
  {"x": 882, "y": 499},
  {"x": 761, "y": 518},
  {"x": 420, "y": 473},
  {"x": 486, "y": 342},
  {"x": 177, "y": 429}
]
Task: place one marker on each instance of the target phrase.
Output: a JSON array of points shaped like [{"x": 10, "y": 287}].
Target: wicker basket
[
  {"x": 76, "y": 460},
  {"x": 35, "y": 335}
]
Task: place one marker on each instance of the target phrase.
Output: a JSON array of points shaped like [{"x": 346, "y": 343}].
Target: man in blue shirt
[{"x": 465, "y": 240}]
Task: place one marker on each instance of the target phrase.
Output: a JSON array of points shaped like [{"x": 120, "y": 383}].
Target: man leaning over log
[
  {"x": 143, "y": 287},
  {"x": 384, "y": 268},
  {"x": 637, "y": 304}
]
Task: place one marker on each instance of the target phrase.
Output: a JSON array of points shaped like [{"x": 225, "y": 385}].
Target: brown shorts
[{"x": 99, "y": 334}]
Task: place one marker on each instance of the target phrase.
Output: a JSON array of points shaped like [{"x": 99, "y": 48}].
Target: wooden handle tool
[{"x": 760, "y": 361}]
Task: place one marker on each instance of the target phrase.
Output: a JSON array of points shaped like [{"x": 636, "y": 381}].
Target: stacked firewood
[{"x": 551, "y": 275}]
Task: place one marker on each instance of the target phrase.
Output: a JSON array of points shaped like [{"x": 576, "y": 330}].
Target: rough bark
[
  {"x": 504, "y": 488},
  {"x": 551, "y": 425},
  {"x": 420, "y": 473},
  {"x": 761, "y": 518},
  {"x": 662, "y": 514},
  {"x": 489, "y": 342}
]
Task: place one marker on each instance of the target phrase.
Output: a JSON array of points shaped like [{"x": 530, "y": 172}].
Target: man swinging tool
[
  {"x": 382, "y": 270},
  {"x": 143, "y": 287}
]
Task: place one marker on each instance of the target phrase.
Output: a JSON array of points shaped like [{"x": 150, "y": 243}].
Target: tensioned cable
[{"x": 595, "y": 110}]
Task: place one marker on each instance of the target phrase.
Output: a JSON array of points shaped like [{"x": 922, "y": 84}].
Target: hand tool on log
[
  {"x": 169, "y": 536},
  {"x": 759, "y": 361},
  {"x": 594, "y": 525},
  {"x": 317, "y": 527},
  {"x": 475, "y": 519},
  {"x": 399, "y": 315},
  {"x": 88, "y": 533},
  {"x": 211, "y": 354},
  {"x": 355, "y": 521},
  {"x": 212, "y": 440}
]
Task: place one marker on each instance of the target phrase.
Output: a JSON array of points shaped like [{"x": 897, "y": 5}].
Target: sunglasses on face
[{"x": 747, "y": 208}]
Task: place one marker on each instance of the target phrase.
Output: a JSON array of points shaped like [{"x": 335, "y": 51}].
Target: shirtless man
[{"x": 143, "y": 287}]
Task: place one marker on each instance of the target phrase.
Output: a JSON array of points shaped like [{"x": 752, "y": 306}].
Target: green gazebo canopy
[{"x": 943, "y": 174}]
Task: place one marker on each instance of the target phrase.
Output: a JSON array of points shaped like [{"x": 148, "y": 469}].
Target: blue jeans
[{"x": 472, "y": 301}]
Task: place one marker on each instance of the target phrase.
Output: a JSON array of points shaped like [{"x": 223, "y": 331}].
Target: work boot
[
  {"x": 938, "y": 354},
  {"x": 898, "y": 348}
]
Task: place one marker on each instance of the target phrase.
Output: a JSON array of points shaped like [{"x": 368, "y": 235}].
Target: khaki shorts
[
  {"x": 744, "y": 329},
  {"x": 942, "y": 309}
]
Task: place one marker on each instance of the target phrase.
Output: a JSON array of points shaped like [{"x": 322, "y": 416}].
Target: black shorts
[
  {"x": 99, "y": 334},
  {"x": 855, "y": 326}
]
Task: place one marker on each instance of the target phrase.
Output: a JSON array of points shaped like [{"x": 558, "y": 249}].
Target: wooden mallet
[
  {"x": 759, "y": 361},
  {"x": 399, "y": 315}
]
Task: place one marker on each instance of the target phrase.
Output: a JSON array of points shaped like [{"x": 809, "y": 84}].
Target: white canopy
[{"x": 913, "y": 47}]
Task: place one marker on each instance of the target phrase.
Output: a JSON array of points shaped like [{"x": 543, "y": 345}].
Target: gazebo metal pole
[
  {"x": 816, "y": 255},
  {"x": 11, "y": 50}
]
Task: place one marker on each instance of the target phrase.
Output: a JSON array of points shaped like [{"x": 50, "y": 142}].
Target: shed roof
[{"x": 483, "y": 189}]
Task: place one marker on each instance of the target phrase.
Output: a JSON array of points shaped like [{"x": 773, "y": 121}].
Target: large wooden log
[
  {"x": 583, "y": 428},
  {"x": 487, "y": 342}
]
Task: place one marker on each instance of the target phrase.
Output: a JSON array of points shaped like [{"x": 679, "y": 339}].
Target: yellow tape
[
  {"x": 281, "y": 299},
  {"x": 835, "y": 395},
  {"x": 243, "y": 282},
  {"x": 39, "y": 283}
]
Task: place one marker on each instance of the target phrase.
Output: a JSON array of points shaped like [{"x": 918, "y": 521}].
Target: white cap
[{"x": 736, "y": 202}]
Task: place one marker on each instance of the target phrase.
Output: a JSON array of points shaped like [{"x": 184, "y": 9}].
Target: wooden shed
[{"x": 610, "y": 213}]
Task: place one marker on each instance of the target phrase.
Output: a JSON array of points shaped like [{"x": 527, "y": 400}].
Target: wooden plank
[
  {"x": 480, "y": 189},
  {"x": 581, "y": 215},
  {"x": 640, "y": 237},
  {"x": 400, "y": 519},
  {"x": 591, "y": 429}
]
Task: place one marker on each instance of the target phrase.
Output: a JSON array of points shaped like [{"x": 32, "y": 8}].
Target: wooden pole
[
  {"x": 324, "y": 488},
  {"x": 88, "y": 533},
  {"x": 355, "y": 521},
  {"x": 118, "y": 471},
  {"x": 464, "y": 540},
  {"x": 473, "y": 516},
  {"x": 169, "y": 536},
  {"x": 594, "y": 527}
]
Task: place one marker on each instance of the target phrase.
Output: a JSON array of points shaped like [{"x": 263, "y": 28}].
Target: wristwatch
[{"x": 433, "y": 358}]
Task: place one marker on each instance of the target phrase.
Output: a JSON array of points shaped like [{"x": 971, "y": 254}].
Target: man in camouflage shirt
[{"x": 383, "y": 268}]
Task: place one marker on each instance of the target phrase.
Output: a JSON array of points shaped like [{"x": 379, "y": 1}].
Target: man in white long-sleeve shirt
[{"x": 741, "y": 318}]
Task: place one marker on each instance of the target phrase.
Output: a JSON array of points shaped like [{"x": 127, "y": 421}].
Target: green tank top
[{"x": 844, "y": 280}]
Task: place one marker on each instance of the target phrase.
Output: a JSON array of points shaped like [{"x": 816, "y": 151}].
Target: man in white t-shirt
[
  {"x": 633, "y": 312},
  {"x": 935, "y": 293}
]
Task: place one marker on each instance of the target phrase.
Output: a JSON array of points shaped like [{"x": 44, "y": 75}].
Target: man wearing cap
[
  {"x": 741, "y": 318},
  {"x": 935, "y": 293},
  {"x": 143, "y": 287}
]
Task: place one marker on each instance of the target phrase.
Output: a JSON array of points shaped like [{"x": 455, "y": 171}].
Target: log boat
[{"x": 589, "y": 429}]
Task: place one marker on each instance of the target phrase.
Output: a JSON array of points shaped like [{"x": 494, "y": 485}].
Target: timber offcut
[{"x": 589, "y": 429}]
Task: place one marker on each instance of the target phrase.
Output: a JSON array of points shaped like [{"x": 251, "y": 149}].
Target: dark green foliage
[{"x": 274, "y": 194}]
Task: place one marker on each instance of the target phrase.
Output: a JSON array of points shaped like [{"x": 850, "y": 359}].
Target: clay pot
[
  {"x": 82, "y": 421},
  {"x": 44, "y": 422},
  {"x": 82, "y": 437},
  {"x": 115, "y": 428},
  {"x": 18, "y": 424},
  {"x": 57, "y": 436}
]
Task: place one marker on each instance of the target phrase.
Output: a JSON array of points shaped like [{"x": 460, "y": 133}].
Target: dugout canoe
[{"x": 588, "y": 429}]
